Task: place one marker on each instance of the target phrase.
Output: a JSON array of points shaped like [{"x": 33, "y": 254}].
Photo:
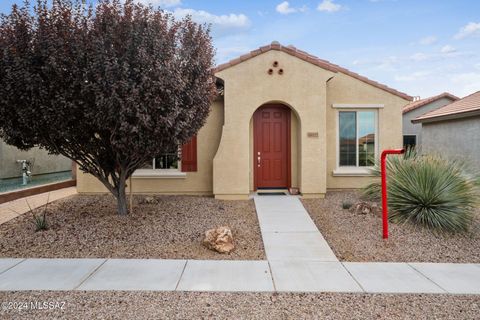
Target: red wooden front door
[{"x": 271, "y": 125}]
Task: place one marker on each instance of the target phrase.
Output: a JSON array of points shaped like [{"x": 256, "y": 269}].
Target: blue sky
[{"x": 419, "y": 47}]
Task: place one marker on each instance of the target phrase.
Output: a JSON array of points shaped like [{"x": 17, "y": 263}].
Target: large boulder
[{"x": 219, "y": 239}]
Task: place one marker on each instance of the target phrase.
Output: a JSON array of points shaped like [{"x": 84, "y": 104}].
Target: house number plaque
[{"x": 312, "y": 134}]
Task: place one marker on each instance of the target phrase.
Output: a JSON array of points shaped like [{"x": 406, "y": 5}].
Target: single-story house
[
  {"x": 453, "y": 130},
  {"x": 285, "y": 119},
  {"x": 412, "y": 132}
]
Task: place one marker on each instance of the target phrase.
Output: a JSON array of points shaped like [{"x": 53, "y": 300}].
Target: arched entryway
[{"x": 272, "y": 147}]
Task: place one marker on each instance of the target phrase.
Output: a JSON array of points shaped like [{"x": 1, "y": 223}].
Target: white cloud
[
  {"x": 284, "y": 8},
  {"x": 220, "y": 23},
  {"x": 466, "y": 82},
  {"x": 226, "y": 53},
  {"x": 161, "y": 3},
  {"x": 470, "y": 29},
  {"x": 413, "y": 76},
  {"x": 329, "y": 6},
  {"x": 419, "y": 56},
  {"x": 428, "y": 40},
  {"x": 448, "y": 49}
]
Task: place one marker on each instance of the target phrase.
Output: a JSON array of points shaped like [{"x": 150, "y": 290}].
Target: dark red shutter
[{"x": 189, "y": 155}]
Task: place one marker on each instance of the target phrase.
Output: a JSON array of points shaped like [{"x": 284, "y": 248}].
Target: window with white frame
[
  {"x": 357, "y": 138},
  {"x": 169, "y": 160}
]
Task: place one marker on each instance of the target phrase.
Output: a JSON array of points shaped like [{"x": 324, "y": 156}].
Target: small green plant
[
  {"x": 40, "y": 222},
  {"x": 429, "y": 190},
  {"x": 40, "y": 219},
  {"x": 346, "y": 204}
]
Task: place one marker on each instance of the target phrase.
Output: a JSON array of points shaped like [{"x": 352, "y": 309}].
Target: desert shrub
[{"x": 429, "y": 190}]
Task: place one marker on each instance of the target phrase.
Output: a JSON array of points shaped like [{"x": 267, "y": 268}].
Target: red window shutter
[{"x": 189, "y": 155}]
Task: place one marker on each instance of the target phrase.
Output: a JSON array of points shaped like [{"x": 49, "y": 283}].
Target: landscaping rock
[
  {"x": 363, "y": 208},
  {"x": 219, "y": 239},
  {"x": 149, "y": 200}
]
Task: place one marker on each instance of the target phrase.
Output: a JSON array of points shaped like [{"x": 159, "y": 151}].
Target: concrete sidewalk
[{"x": 232, "y": 276}]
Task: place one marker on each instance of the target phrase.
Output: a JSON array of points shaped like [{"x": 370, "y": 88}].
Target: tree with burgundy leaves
[{"x": 109, "y": 86}]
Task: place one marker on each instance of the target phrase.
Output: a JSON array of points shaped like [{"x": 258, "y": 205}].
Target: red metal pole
[{"x": 383, "y": 170}]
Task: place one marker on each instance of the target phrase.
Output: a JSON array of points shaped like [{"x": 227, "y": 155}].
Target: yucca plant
[{"x": 429, "y": 190}]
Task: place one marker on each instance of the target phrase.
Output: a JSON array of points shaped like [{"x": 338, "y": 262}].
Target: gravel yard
[
  {"x": 357, "y": 237},
  {"x": 183, "y": 305},
  {"x": 172, "y": 228}
]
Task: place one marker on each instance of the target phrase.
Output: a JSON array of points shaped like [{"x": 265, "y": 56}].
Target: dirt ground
[
  {"x": 87, "y": 226},
  {"x": 184, "y": 305},
  {"x": 357, "y": 237}
]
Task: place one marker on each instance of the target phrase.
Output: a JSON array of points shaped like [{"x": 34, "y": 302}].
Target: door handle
[{"x": 258, "y": 161}]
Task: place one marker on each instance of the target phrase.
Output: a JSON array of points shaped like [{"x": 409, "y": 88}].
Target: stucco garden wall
[
  {"x": 44, "y": 162},
  {"x": 199, "y": 182}
]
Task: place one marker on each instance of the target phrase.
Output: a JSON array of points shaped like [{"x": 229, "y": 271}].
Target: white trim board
[{"x": 357, "y": 106}]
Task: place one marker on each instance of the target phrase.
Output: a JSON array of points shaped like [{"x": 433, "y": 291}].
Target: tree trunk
[{"x": 122, "y": 198}]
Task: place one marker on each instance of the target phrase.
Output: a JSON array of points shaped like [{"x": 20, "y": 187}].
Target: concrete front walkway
[
  {"x": 13, "y": 209},
  {"x": 299, "y": 260},
  {"x": 288, "y": 232}
]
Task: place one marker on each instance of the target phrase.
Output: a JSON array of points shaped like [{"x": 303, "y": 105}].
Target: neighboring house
[
  {"x": 412, "y": 132},
  {"x": 41, "y": 161},
  {"x": 285, "y": 119},
  {"x": 453, "y": 130}
]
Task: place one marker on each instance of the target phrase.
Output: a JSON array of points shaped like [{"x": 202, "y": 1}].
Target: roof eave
[
  {"x": 446, "y": 117},
  {"x": 427, "y": 101}
]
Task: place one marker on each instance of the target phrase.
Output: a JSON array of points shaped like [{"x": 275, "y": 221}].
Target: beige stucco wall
[
  {"x": 343, "y": 89},
  {"x": 199, "y": 182},
  {"x": 248, "y": 86}
]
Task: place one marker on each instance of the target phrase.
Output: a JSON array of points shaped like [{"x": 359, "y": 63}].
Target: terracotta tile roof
[
  {"x": 422, "y": 102},
  {"x": 311, "y": 59},
  {"x": 464, "y": 107}
]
